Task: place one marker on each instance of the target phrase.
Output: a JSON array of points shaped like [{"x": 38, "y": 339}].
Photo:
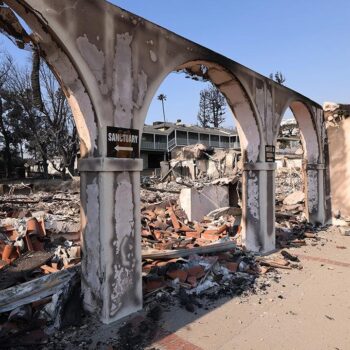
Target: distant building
[
  {"x": 289, "y": 141},
  {"x": 161, "y": 138}
]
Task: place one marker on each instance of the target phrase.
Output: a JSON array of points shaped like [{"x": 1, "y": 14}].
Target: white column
[
  {"x": 258, "y": 217},
  {"x": 111, "y": 265},
  {"x": 315, "y": 210}
]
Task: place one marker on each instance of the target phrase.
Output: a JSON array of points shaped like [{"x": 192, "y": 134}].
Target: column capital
[
  {"x": 103, "y": 164},
  {"x": 261, "y": 166},
  {"x": 314, "y": 166}
]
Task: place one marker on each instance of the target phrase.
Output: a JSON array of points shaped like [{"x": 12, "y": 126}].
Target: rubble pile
[
  {"x": 187, "y": 261},
  {"x": 288, "y": 180},
  {"x": 155, "y": 191},
  {"x": 196, "y": 277},
  {"x": 168, "y": 228},
  {"x": 293, "y": 232},
  {"x": 191, "y": 246},
  {"x": 40, "y": 265},
  {"x": 65, "y": 203},
  {"x": 201, "y": 162},
  {"x": 40, "y": 222},
  {"x": 193, "y": 251},
  {"x": 191, "y": 225}
]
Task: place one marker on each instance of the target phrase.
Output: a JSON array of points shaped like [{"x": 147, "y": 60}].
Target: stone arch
[
  {"x": 255, "y": 174},
  {"x": 63, "y": 67},
  {"x": 313, "y": 167},
  {"x": 248, "y": 124},
  {"x": 110, "y": 63},
  {"x": 309, "y": 136}
]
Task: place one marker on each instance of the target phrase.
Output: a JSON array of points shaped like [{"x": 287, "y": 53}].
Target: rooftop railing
[{"x": 184, "y": 141}]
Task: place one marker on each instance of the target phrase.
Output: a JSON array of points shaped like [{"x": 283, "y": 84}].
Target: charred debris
[{"x": 192, "y": 249}]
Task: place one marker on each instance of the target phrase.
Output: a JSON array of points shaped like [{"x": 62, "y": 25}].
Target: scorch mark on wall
[
  {"x": 123, "y": 81},
  {"x": 253, "y": 195},
  {"x": 123, "y": 244},
  {"x": 92, "y": 274}
]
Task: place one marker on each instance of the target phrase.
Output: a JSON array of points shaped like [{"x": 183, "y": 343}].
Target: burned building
[{"x": 161, "y": 141}]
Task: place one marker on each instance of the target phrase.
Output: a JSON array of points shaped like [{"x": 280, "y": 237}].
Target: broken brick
[
  {"x": 309, "y": 235},
  {"x": 145, "y": 233},
  {"x": 158, "y": 234},
  {"x": 196, "y": 271},
  {"x": 28, "y": 242},
  {"x": 209, "y": 235},
  {"x": 32, "y": 225},
  {"x": 164, "y": 245},
  {"x": 263, "y": 269},
  {"x": 159, "y": 211},
  {"x": 193, "y": 234},
  {"x": 231, "y": 266},
  {"x": 173, "y": 218},
  {"x": 178, "y": 273},
  {"x": 36, "y": 243},
  {"x": 153, "y": 284},
  {"x": 201, "y": 242},
  {"x": 198, "y": 228},
  {"x": 150, "y": 215},
  {"x": 282, "y": 262},
  {"x": 192, "y": 280},
  {"x": 11, "y": 233},
  {"x": 7, "y": 252}
]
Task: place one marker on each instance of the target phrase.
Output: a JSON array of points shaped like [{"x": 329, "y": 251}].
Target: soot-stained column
[
  {"x": 315, "y": 192},
  {"x": 112, "y": 243},
  {"x": 259, "y": 211}
]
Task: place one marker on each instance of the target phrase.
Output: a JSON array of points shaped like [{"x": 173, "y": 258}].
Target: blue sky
[
  {"x": 309, "y": 41},
  {"x": 306, "y": 40}
]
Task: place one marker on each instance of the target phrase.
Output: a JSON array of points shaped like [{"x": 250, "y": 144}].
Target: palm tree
[{"x": 162, "y": 98}]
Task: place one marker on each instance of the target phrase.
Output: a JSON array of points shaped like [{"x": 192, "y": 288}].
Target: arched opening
[
  {"x": 197, "y": 195},
  {"x": 297, "y": 156},
  {"x": 185, "y": 111},
  {"x": 289, "y": 159}
]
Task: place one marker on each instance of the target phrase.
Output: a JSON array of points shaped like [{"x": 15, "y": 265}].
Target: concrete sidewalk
[{"x": 308, "y": 308}]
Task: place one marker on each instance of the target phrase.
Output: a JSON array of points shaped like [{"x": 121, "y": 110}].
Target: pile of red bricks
[
  {"x": 168, "y": 228},
  {"x": 36, "y": 239}
]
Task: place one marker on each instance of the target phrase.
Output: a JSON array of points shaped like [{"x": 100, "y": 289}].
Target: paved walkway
[{"x": 307, "y": 309}]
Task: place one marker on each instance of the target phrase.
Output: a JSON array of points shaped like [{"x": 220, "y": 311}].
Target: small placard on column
[{"x": 270, "y": 154}]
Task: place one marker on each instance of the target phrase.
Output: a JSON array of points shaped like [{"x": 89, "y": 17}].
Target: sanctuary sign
[{"x": 122, "y": 143}]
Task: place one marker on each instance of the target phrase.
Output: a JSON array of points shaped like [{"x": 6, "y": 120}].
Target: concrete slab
[{"x": 197, "y": 204}]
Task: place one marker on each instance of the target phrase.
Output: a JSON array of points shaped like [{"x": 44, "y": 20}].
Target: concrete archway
[
  {"x": 257, "y": 225},
  {"x": 313, "y": 161},
  {"x": 242, "y": 107},
  {"x": 110, "y": 63}
]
